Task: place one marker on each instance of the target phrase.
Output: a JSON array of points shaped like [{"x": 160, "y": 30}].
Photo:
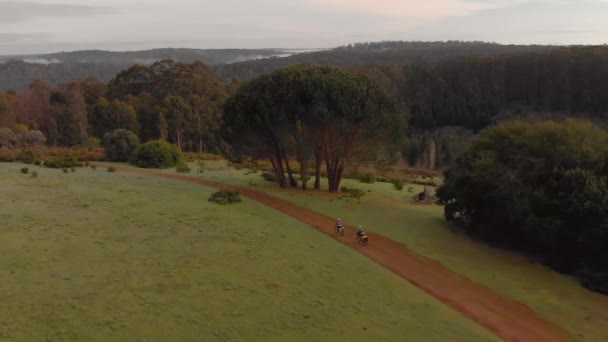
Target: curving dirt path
[{"x": 509, "y": 320}]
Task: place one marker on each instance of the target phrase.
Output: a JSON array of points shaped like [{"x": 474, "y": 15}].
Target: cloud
[
  {"x": 542, "y": 22},
  {"x": 402, "y": 8},
  {"x": 12, "y": 11}
]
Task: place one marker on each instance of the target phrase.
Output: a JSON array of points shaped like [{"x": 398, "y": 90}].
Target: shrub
[
  {"x": 38, "y": 162},
  {"x": 352, "y": 192},
  {"x": 111, "y": 169},
  {"x": 119, "y": 145},
  {"x": 65, "y": 170},
  {"x": 183, "y": 168},
  {"x": 410, "y": 189},
  {"x": 156, "y": 155},
  {"x": 7, "y": 137},
  {"x": 94, "y": 167},
  {"x": 93, "y": 142},
  {"x": 73, "y": 169},
  {"x": 25, "y": 170},
  {"x": 33, "y": 138},
  {"x": 8, "y": 156},
  {"x": 35, "y": 174},
  {"x": 27, "y": 157},
  {"x": 269, "y": 177},
  {"x": 398, "y": 184},
  {"x": 368, "y": 178},
  {"x": 65, "y": 161},
  {"x": 226, "y": 196}
]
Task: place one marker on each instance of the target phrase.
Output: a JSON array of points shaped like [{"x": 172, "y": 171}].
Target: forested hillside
[
  {"x": 391, "y": 52},
  {"x": 228, "y": 64},
  {"x": 17, "y": 72}
]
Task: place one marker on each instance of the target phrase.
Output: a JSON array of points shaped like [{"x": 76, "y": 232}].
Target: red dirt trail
[{"x": 509, "y": 320}]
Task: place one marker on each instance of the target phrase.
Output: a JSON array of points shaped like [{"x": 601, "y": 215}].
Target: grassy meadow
[
  {"x": 392, "y": 213},
  {"x": 93, "y": 255}
]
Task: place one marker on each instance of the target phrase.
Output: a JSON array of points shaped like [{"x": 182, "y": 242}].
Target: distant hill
[
  {"x": 390, "y": 52},
  {"x": 19, "y": 71}
]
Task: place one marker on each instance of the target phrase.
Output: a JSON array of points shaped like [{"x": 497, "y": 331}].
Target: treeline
[
  {"x": 448, "y": 102},
  {"x": 170, "y": 101}
]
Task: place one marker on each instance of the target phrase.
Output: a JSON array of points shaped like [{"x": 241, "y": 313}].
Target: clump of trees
[
  {"x": 119, "y": 145},
  {"x": 318, "y": 116},
  {"x": 541, "y": 188}
]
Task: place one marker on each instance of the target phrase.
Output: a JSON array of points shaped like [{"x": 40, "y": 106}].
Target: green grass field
[
  {"x": 391, "y": 213},
  {"x": 93, "y": 255}
]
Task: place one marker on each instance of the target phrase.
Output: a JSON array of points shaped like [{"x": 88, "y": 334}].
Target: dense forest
[
  {"x": 453, "y": 100},
  {"x": 229, "y": 65}
]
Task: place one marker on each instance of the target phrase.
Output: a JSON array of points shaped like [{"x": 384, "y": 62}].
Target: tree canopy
[{"x": 541, "y": 188}]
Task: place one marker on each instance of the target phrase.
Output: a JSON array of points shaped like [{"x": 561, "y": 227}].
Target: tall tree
[{"x": 340, "y": 117}]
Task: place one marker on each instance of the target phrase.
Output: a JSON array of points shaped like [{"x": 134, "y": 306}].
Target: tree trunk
[
  {"x": 178, "y": 138},
  {"x": 292, "y": 180},
  {"x": 277, "y": 167},
  {"x": 318, "y": 162},
  {"x": 200, "y": 144}
]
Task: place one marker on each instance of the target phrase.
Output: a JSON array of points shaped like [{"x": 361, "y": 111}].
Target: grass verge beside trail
[{"x": 93, "y": 255}]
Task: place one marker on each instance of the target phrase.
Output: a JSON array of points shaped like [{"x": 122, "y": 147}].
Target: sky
[{"x": 42, "y": 26}]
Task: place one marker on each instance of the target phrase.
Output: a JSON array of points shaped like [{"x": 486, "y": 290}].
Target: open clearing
[
  {"x": 93, "y": 255},
  {"x": 555, "y": 297}
]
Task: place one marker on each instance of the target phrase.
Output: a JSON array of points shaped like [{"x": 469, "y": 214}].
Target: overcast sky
[{"x": 38, "y": 26}]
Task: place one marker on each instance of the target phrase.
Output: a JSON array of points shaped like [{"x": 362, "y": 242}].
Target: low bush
[
  {"x": 65, "y": 161},
  {"x": 201, "y": 166},
  {"x": 25, "y": 170},
  {"x": 93, "y": 166},
  {"x": 27, "y": 156},
  {"x": 368, "y": 178},
  {"x": 352, "y": 192},
  {"x": 38, "y": 162},
  {"x": 269, "y": 177},
  {"x": 73, "y": 169},
  {"x": 425, "y": 183},
  {"x": 398, "y": 184},
  {"x": 65, "y": 170},
  {"x": 156, "y": 155},
  {"x": 8, "y": 155},
  {"x": 111, "y": 169},
  {"x": 226, "y": 196},
  {"x": 93, "y": 142},
  {"x": 35, "y": 174},
  {"x": 183, "y": 168},
  {"x": 192, "y": 156},
  {"x": 410, "y": 189}
]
